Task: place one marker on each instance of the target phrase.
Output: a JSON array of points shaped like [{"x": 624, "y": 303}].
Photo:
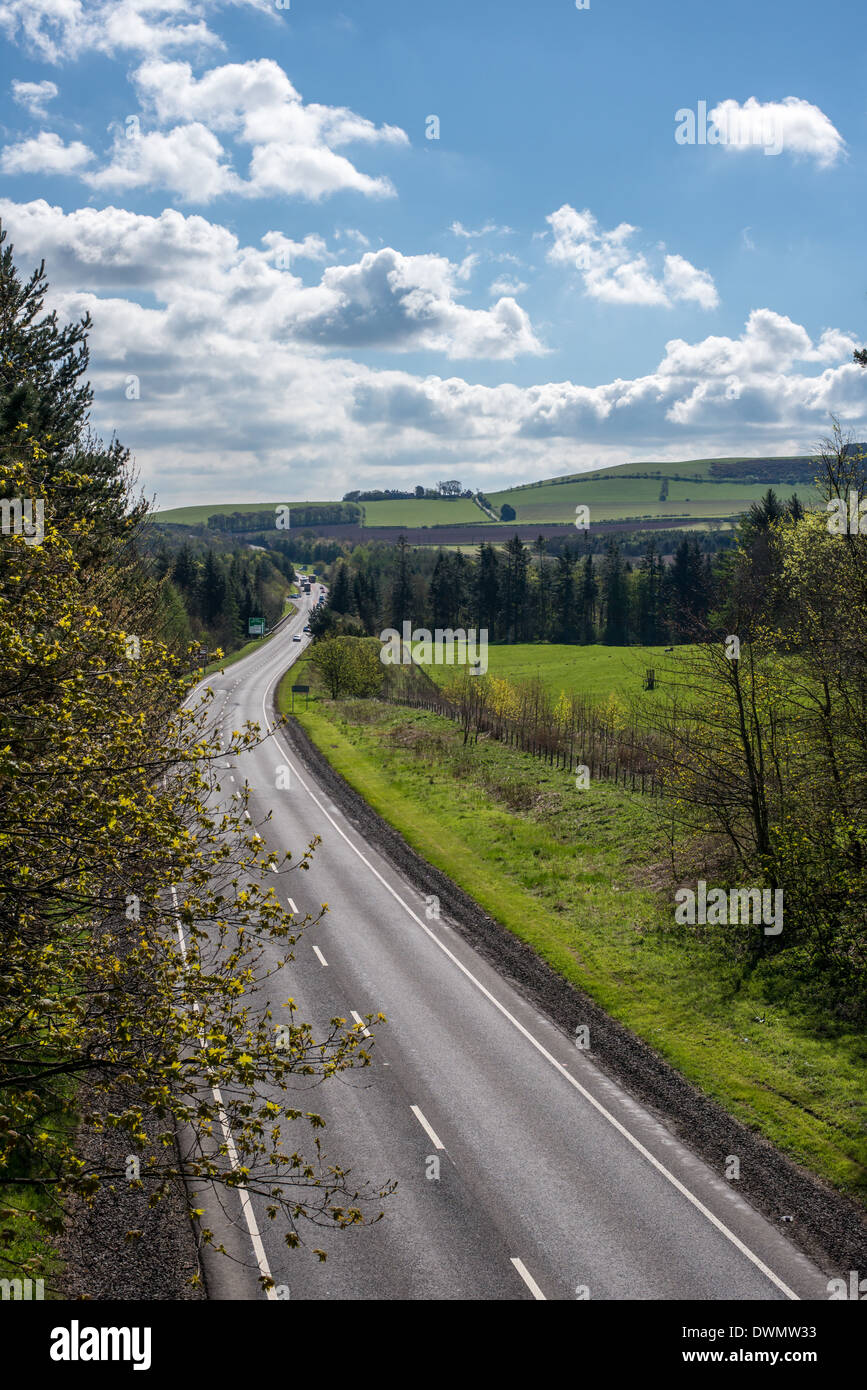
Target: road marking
[
  {"x": 437, "y": 1143},
  {"x": 246, "y": 1204},
  {"x": 292, "y": 908},
  {"x": 528, "y": 1279},
  {"x": 358, "y": 1019},
  {"x": 322, "y": 959},
  {"x": 540, "y": 1048}
]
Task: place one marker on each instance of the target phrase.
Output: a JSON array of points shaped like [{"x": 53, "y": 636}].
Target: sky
[{"x": 329, "y": 246}]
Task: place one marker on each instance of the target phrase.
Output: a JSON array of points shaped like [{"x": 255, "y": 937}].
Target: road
[{"x": 553, "y": 1182}]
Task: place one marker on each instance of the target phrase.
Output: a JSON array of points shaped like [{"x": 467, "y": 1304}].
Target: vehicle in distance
[{"x": 297, "y": 637}]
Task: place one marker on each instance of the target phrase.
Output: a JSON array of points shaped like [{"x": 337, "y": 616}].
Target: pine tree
[
  {"x": 42, "y": 366},
  {"x": 615, "y": 597},
  {"x": 212, "y": 590},
  {"x": 366, "y": 600},
  {"x": 589, "y": 594},
  {"x": 228, "y": 629},
  {"x": 540, "y": 605},
  {"x": 648, "y": 596},
  {"x": 45, "y": 399},
  {"x": 460, "y": 579},
  {"x": 441, "y": 597},
  {"x": 514, "y": 591},
  {"x": 486, "y": 595},
  {"x": 565, "y": 617},
  {"x": 340, "y": 598},
  {"x": 401, "y": 590},
  {"x": 184, "y": 568},
  {"x": 685, "y": 584}
]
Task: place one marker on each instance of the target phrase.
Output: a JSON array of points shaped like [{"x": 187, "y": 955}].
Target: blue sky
[{"x": 296, "y": 292}]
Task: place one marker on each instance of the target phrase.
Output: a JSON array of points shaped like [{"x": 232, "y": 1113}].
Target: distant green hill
[
  {"x": 691, "y": 491},
  {"x": 695, "y": 489},
  {"x": 198, "y": 515}
]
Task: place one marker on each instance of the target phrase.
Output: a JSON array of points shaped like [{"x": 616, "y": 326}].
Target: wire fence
[{"x": 620, "y": 755}]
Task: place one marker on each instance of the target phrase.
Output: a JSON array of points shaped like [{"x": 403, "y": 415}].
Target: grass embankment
[{"x": 582, "y": 877}]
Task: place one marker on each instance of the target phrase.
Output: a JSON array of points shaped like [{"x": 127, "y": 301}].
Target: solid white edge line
[
  {"x": 246, "y": 1204},
  {"x": 437, "y": 1143},
  {"x": 540, "y": 1048},
  {"x": 529, "y": 1280},
  {"x": 322, "y": 959}
]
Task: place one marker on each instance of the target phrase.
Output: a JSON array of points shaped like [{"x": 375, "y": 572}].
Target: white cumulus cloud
[
  {"x": 240, "y": 129},
  {"x": 226, "y": 337},
  {"x": 55, "y": 30},
  {"x": 792, "y": 125},
  {"x": 612, "y": 271},
  {"x": 46, "y": 153},
  {"x": 34, "y": 96}
]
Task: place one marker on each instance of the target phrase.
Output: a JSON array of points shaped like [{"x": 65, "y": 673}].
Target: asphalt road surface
[{"x": 553, "y": 1183}]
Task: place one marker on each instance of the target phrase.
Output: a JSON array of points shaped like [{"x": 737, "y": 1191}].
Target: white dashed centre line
[
  {"x": 437, "y": 1142},
  {"x": 322, "y": 959},
  {"x": 292, "y": 907},
  {"x": 543, "y": 1051},
  {"x": 529, "y": 1280},
  {"x": 358, "y": 1019}
]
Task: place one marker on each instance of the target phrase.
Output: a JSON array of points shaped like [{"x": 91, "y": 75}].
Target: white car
[{"x": 297, "y": 637}]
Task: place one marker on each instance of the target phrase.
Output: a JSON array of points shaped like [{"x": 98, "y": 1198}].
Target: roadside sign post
[
  {"x": 301, "y": 690},
  {"x": 256, "y": 627}
]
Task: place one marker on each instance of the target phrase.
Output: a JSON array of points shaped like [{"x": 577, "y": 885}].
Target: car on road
[{"x": 297, "y": 637}]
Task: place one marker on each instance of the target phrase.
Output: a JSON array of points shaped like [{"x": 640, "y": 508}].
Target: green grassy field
[
  {"x": 198, "y": 515},
  {"x": 583, "y": 878},
  {"x": 615, "y": 497},
  {"x": 595, "y": 671},
  {"x": 423, "y": 511}
]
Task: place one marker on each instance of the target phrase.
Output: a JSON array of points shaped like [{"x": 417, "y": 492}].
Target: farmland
[
  {"x": 434, "y": 511},
  {"x": 696, "y": 491},
  {"x": 617, "y": 494},
  {"x": 198, "y": 515}
]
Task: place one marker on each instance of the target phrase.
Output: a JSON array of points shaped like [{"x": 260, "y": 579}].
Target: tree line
[
  {"x": 525, "y": 594},
  {"x": 297, "y": 516}
]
